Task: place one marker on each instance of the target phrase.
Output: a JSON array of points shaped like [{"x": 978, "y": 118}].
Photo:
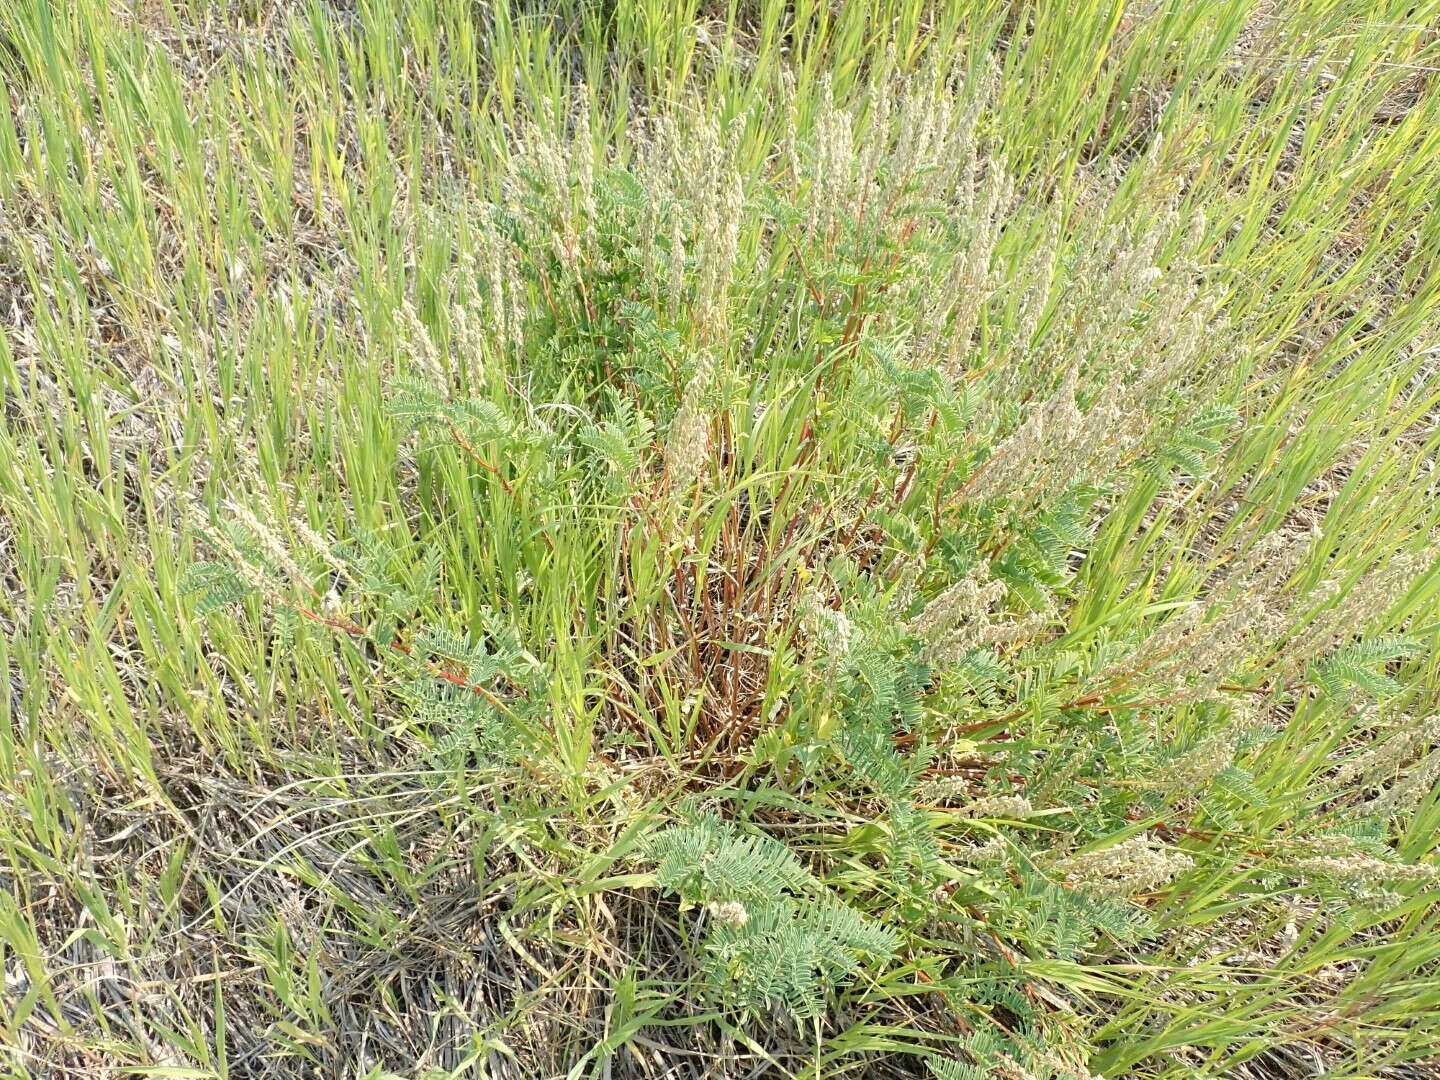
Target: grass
[{"x": 518, "y": 562}]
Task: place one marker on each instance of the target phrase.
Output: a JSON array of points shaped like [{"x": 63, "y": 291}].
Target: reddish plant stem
[{"x": 355, "y": 630}]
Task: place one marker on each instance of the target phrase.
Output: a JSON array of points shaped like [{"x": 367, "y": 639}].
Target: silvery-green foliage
[{"x": 775, "y": 935}]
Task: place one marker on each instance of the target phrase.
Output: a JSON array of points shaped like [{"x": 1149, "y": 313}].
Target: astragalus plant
[
  {"x": 784, "y": 486},
  {"x": 762, "y": 565}
]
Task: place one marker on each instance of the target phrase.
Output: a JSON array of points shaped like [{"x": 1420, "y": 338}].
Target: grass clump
[{"x": 774, "y": 541}]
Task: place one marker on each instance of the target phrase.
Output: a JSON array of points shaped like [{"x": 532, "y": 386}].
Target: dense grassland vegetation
[{"x": 642, "y": 539}]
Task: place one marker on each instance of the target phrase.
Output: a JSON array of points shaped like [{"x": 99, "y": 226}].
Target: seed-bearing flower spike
[
  {"x": 959, "y": 617},
  {"x": 688, "y": 445},
  {"x": 1191, "y": 771},
  {"x": 1137, "y": 865},
  {"x": 252, "y": 574},
  {"x": 1410, "y": 790},
  {"x": 728, "y": 912},
  {"x": 270, "y": 542},
  {"x": 421, "y": 345},
  {"x": 1365, "y": 871},
  {"x": 999, "y": 806},
  {"x": 829, "y": 633},
  {"x": 677, "y": 268},
  {"x": 321, "y": 547}
]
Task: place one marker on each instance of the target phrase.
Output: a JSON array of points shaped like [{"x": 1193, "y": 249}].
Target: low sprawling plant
[
  {"x": 785, "y": 558},
  {"x": 806, "y": 485}
]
